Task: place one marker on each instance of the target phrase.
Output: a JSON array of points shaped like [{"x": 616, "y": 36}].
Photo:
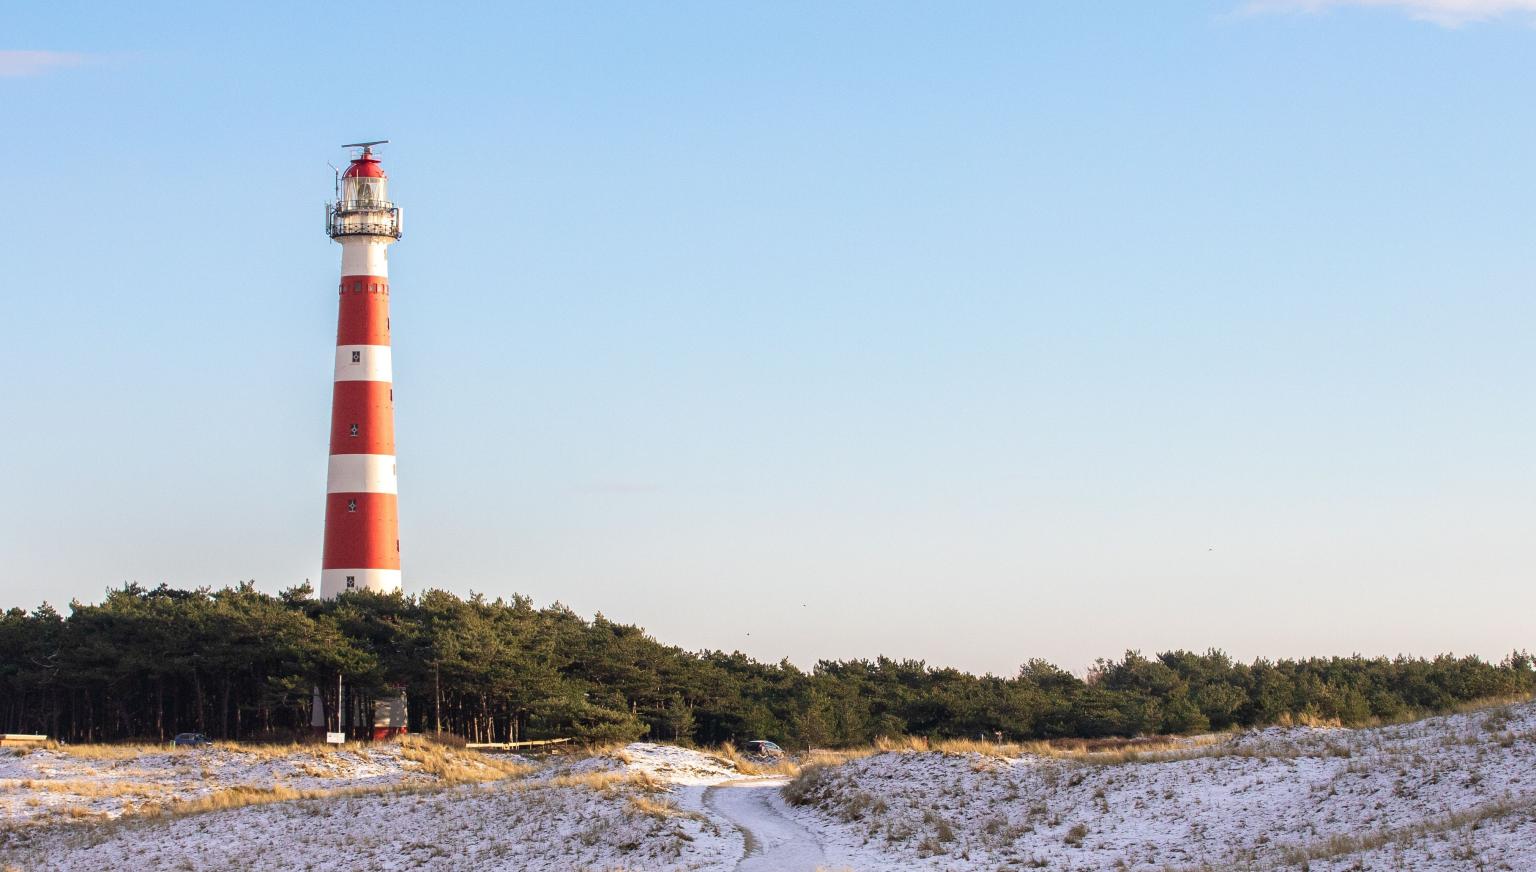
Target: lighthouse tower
[{"x": 362, "y": 537}]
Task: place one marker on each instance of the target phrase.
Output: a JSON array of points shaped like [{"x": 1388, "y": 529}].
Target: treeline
[{"x": 239, "y": 664}]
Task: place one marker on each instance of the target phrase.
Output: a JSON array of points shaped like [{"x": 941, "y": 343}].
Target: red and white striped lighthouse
[{"x": 362, "y": 536}]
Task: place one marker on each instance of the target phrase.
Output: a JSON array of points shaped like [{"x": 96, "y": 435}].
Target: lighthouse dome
[{"x": 365, "y": 167}]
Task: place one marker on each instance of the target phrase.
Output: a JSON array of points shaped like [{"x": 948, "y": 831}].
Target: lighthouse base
[{"x": 334, "y": 582}]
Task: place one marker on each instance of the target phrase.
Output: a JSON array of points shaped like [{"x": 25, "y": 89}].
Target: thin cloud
[
  {"x": 1447, "y": 13},
  {"x": 18, "y": 63}
]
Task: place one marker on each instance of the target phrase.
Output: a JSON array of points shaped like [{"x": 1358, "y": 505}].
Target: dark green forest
[{"x": 239, "y": 664}]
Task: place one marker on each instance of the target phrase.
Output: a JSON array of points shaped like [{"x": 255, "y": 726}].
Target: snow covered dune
[
  {"x": 1452, "y": 793},
  {"x": 1446, "y": 793},
  {"x": 511, "y": 826},
  {"x": 110, "y": 781},
  {"x": 638, "y": 808}
]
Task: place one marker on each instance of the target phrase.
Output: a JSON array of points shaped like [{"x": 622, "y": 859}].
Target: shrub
[{"x": 806, "y": 787}]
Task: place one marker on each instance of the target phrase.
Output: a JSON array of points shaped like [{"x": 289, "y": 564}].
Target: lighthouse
[
  {"x": 362, "y": 531},
  {"x": 362, "y": 536}
]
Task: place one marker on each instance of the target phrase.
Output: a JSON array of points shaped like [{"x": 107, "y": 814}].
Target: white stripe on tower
[
  {"x": 365, "y": 256},
  {"x": 361, "y": 474},
  {"x": 364, "y": 363},
  {"x": 384, "y": 580}
]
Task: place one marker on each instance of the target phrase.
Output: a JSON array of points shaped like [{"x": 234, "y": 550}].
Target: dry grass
[
  {"x": 728, "y": 755},
  {"x": 1148, "y": 748},
  {"x": 608, "y": 781},
  {"x": 808, "y": 771},
  {"x": 1304, "y": 719},
  {"x": 833, "y": 758},
  {"x": 234, "y": 797},
  {"x": 1123, "y": 750},
  {"x": 105, "y": 752},
  {"x": 239, "y": 797},
  {"x": 1096, "y": 751},
  {"x": 1307, "y": 719},
  {"x": 259, "y": 752},
  {"x": 1470, "y": 706},
  {"x": 317, "y": 750},
  {"x": 583, "y": 752},
  {"x": 83, "y": 787},
  {"x": 244, "y": 795},
  {"x": 788, "y": 767},
  {"x": 1489, "y": 702},
  {"x": 661, "y": 809},
  {"x": 455, "y": 765},
  {"x": 439, "y": 759},
  {"x": 449, "y": 765}
]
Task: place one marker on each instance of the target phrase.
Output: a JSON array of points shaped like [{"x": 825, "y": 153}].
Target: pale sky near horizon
[{"x": 963, "y": 332}]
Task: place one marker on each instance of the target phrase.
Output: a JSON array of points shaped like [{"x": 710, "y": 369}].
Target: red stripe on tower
[{"x": 362, "y": 537}]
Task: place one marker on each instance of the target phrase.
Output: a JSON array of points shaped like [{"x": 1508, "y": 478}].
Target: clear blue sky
[{"x": 966, "y": 332}]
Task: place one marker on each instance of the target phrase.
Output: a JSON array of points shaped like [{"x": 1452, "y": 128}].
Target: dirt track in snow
[{"x": 774, "y": 842}]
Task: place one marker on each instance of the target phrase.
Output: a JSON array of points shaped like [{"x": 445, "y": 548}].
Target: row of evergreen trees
[{"x": 236, "y": 663}]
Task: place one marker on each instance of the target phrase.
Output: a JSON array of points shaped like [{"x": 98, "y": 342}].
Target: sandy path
[{"x": 774, "y": 842}]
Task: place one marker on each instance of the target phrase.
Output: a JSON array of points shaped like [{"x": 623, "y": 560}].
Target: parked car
[
  {"x": 762, "y": 749},
  {"x": 190, "y": 740}
]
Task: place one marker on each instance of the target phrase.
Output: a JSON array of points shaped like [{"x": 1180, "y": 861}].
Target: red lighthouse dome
[{"x": 365, "y": 166}]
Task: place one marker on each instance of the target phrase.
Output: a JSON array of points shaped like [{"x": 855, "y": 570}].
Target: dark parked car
[
  {"x": 762, "y": 749},
  {"x": 190, "y": 740}
]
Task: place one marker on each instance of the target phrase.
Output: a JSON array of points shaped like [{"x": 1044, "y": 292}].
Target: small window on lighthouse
[
  {"x": 351, "y": 582},
  {"x": 357, "y": 357},
  {"x": 351, "y": 505},
  {"x": 354, "y": 429}
]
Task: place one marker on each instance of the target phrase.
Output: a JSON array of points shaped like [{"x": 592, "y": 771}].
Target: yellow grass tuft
[
  {"x": 84, "y": 787},
  {"x": 258, "y": 752},
  {"x": 728, "y": 755},
  {"x": 289, "y": 750},
  {"x": 788, "y": 767},
  {"x": 241, "y": 796},
  {"x": 1096, "y": 751},
  {"x": 106, "y": 752},
  {"x": 583, "y": 752},
  {"x": 660, "y": 809},
  {"x": 1089, "y": 751},
  {"x": 610, "y": 781},
  {"x": 457, "y": 766}
]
